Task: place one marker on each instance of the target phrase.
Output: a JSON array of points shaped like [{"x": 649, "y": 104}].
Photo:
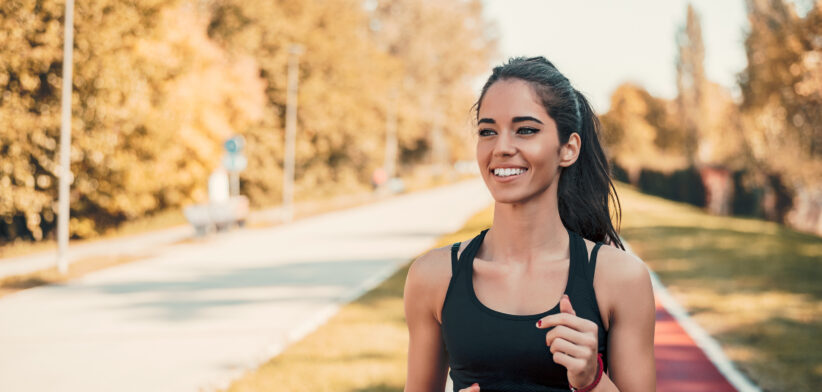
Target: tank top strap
[
  {"x": 580, "y": 252},
  {"x": 592, "y": 264},
  {"x": 587, "y": 264},
  {"x": 454, "y": 249},
  {"x": 458, "y": 262}
]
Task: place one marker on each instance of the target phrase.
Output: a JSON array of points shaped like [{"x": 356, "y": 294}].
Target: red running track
[{"x": 681, "y": 366}]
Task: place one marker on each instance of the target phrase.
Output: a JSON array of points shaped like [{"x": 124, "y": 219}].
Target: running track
[{"x": 681, "y": 366}]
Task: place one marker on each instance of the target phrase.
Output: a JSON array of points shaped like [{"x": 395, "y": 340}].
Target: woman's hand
[
  {"x": 573, "y": 342},
  {"x": 473, "y": 388}
]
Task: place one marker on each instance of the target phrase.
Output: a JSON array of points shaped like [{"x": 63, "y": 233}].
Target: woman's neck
[{"x": 528, "y": 232}]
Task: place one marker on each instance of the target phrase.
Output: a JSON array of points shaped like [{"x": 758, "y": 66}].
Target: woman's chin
[{"x": 509, "y": 197}]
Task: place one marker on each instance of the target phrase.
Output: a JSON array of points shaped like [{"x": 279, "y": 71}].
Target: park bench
[{"x": 217, "y": 215}]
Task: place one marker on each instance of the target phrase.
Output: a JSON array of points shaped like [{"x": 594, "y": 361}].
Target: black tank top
[{"x": 504, "y": 352}]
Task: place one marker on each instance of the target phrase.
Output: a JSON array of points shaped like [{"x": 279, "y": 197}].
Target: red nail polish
[{"x": 539, "y": 323}]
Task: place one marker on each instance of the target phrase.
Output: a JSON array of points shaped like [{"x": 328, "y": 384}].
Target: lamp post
[
  {"x": 66, "y": 178},
  {"x": 391, "y": 136},
  {"x": 290, "y": 132}
]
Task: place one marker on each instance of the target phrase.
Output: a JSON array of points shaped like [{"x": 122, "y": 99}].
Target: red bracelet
[{"x": 596, "y": 380}]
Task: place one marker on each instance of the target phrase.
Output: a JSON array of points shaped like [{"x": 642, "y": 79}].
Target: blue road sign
[{"x": 235, "y": 144}]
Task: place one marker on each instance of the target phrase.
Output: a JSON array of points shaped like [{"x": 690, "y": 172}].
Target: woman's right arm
[{"x": 427, "y": 359}]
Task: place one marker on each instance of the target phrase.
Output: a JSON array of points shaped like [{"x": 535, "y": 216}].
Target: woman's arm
[
  {"x": 631, "y": 364},
  {"x": 427, "y": 359}
]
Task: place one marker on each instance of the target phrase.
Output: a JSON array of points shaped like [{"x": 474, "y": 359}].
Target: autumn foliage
[
  {"x": 761, "y": 151},
  {"x": 159, "y": 85}
]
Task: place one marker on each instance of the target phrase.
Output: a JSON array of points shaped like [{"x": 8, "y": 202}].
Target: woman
[{"x": 483, "y": 313}]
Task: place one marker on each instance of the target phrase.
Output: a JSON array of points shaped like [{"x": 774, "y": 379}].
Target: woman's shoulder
[
  {"x": 621, "y": 267},
  {"x": 620, "y": 277},
  {"x": 431, "y": 264},
  {"x": 428, "y": 278}
]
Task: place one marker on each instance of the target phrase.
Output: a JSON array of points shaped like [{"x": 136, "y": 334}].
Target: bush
[{"x": 682, "y": 185}]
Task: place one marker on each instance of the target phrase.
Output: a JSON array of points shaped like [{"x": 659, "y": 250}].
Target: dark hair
[{"x": 585, "y": 186}]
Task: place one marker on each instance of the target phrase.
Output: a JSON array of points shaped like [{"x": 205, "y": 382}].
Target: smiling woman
[{"x": 483, "y": 314}]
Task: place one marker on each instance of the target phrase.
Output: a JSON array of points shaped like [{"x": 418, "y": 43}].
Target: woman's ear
[{"x": 569, "y": 152}]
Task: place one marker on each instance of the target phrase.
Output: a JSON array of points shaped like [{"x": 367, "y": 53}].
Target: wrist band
[{"x": 596, "y": 380}]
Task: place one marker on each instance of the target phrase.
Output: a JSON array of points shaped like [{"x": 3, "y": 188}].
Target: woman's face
[{"x": 518, "y": 149}]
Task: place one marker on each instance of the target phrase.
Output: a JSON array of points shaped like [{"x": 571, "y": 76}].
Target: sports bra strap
[
  {"x": 467, "y": 254},
  {"x": 454, "y": 249},
  {"x": 592, "y": 264}
]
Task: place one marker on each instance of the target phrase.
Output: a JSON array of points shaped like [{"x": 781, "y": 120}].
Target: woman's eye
[
  {"x": 528, "y": 131},
  {"x": 486, "y": 132}
]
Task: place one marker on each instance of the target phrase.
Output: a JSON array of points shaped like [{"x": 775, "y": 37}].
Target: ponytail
[{"x": 585, "y": 187}]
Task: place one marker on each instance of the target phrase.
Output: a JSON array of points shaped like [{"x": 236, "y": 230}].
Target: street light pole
[
  {"x": 389, "y": 165},
  {"x": 66, "y": 178},
  {"x": 290, "y": 132}
]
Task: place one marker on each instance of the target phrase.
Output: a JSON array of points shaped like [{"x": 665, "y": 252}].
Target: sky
[{"x": 600, "y": 44}]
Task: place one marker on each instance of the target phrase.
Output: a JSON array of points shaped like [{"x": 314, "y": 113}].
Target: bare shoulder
[
  {"x": 621, "y": 267},
  {"x": 431, "y": 264},
  {"x": 621, "y": 278},
  {"x": 428, "y": 278}
]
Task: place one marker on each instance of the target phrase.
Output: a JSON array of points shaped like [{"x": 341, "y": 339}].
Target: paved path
[{"x": 197, "y": 315}]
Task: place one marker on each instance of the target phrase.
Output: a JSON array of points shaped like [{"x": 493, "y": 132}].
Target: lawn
[{"x": 749, "y": 283}]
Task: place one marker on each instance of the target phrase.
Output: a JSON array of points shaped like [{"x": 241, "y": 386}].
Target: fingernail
[{"x": 539, "y": 323}]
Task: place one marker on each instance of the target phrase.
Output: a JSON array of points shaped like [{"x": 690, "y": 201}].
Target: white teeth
[{"x": 508, "y": 172}]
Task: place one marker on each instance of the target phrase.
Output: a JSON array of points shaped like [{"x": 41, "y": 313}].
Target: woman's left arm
[
  {"x": 631, "y": 363},
  {"x": 626, "y": 282}
]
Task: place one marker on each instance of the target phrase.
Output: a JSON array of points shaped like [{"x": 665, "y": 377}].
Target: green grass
[{"x": 753, "y": 285}]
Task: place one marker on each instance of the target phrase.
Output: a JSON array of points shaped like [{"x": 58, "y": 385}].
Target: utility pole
[
  {"x": 66, "y": 178},
  {"x": 390, "y": 164},
  {"x": 294, "y": 52},
  {"x": 438, "y": 144}
]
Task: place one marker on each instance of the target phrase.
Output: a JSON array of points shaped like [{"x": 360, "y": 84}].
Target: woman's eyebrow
[
  {"x": 487, "y": 120},
  {"x": 525, "y": 118}
]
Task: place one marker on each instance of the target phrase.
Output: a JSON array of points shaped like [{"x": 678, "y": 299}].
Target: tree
[
  {"x": 641, "y": 131},
  {"x": 159, "y": 85},
  {"x": 782, "y": 91},
  {"x": 437, "y": 73},
  {"x": 691, "y": 83},
  {"x": 153, "y": 99}
]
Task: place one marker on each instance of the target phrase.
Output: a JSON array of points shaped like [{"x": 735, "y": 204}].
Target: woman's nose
[{"x": 504, "y": 145}]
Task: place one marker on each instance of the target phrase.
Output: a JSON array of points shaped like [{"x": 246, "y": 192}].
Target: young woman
[{"x": 483, "y": 313}]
